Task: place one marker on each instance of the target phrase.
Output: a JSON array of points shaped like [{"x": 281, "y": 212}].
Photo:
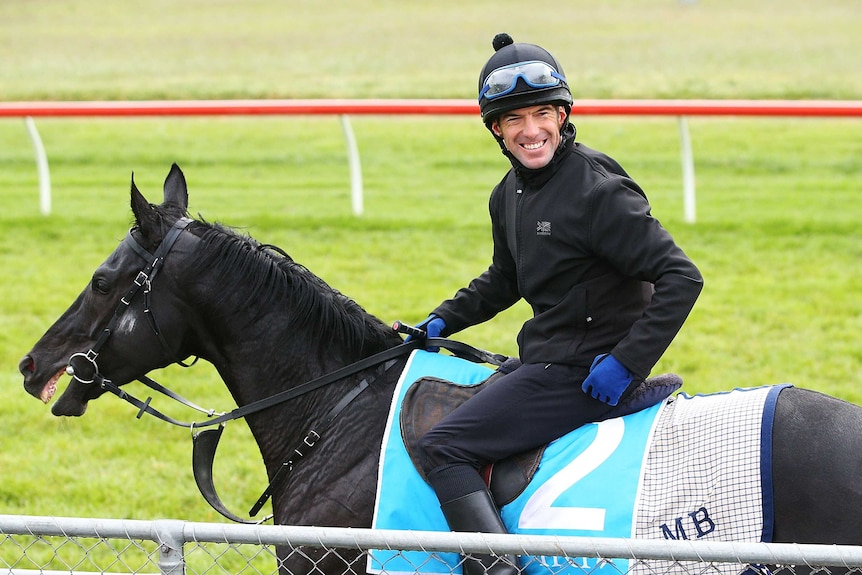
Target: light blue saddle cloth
[{"x": 586, "y": 484}]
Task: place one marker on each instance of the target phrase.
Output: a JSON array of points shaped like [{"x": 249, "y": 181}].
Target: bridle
[{"x": 82, "y": 366}]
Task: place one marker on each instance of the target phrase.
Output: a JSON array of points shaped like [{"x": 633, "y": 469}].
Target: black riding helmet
[{"x": 520, "y": 92}]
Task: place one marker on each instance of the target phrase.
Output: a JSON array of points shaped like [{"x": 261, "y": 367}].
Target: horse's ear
[
  {"x": 175, "y": 188},
  {"x": 145, "y": 214}
]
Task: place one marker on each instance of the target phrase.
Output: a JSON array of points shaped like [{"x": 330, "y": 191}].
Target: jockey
[{"x": 609, "y": 288}]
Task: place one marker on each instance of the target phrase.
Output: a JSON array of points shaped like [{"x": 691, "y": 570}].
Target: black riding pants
[{"x": 529, "y": 407}]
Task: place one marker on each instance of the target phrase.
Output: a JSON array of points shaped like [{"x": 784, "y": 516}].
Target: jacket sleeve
[
  {"x": 624, "y": 233},
  {"x": 493, "y": 291}
]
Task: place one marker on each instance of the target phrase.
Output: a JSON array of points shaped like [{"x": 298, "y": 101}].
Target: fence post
[
  {"x": 169, "y": 535},
  {"x": 355, "y": 166},
  {"x": 41, "y": 167},
  {"x": 688, "y": 192}
]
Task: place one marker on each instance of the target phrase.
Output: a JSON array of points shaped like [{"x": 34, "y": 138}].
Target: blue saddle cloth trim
[{"x": 766, "y": 462}]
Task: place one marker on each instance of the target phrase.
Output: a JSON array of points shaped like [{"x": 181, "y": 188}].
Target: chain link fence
[{"x": 50, "y": 545}]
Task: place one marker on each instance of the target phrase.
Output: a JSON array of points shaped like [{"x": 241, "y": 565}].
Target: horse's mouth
[
  {"x": 72, "y": 402},
  {"x": 51, "y": 387}
]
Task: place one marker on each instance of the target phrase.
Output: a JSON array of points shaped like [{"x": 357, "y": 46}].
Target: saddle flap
[
  {"x": 427, "y": 401},
  {"x": 430, "y": 399}
]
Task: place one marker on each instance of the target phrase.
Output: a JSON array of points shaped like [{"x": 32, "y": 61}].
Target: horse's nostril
[{"x": 27, "y": 366}]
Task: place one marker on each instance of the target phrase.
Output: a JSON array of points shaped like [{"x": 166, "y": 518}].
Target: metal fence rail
[{"x": 31, "y": 544}]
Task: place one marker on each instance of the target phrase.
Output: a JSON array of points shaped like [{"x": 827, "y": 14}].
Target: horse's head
[{"x": 117, "y": 329}]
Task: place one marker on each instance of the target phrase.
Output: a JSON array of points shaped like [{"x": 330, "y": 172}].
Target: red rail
[
  {"x": 345, "y": 108},
  {"x": 818, "y": 108}
]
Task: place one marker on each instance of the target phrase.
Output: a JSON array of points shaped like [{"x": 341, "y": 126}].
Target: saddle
[{"x": 429, "y": 399}]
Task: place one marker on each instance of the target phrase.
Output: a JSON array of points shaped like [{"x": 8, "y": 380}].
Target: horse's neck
[
  {"x": 263, "y": 366},
  {"x": 262, "y": 352},
  {"x": 263, "y": 363},
  {"x": 258, "y": 352}
]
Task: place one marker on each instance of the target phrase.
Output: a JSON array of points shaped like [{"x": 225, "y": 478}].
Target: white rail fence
[
  {"x": 53, "y": 545},
  {"x": 345, "y": 108}
]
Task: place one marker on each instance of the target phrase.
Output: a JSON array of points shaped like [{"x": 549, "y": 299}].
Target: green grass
[
  {"x": 778, "y": 199},
  {"x": 389, "y": 48}
]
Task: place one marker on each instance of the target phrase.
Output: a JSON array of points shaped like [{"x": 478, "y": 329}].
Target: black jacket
[{"x": 577, "y": 241}]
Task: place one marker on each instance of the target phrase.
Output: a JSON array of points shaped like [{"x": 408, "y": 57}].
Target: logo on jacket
[{"x": 543, "y": 228}]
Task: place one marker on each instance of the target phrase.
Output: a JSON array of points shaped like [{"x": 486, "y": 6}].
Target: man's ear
[
  {"x": 563, "y": 115},
  {"x": 495, "y": 129}
]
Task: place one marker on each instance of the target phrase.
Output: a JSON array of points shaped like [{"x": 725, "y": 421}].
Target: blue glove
[
  {"x": 608, "y": 379},
  {"x": 433, "y": 326}
]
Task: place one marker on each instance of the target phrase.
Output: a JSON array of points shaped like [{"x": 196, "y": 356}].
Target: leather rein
[{"x": 82, "y": 366}]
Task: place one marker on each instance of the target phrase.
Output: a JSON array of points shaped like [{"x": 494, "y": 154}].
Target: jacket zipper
[{"x": 519, "y": 202}]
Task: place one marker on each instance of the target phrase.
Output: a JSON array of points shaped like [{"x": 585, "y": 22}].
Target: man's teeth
[{"x": 535, "y": 146}]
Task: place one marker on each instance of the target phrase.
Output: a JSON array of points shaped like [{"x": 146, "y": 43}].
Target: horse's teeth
[{"x": 51, "y": 387}]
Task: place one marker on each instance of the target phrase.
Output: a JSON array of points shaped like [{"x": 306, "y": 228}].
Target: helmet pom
[{"x": 501, "y": 40}]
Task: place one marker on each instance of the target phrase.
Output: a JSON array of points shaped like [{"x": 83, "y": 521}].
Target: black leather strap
[{"x": 203, "y": 455}]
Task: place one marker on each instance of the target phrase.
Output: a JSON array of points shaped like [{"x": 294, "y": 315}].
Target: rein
[{"x": 458, "y": 348}]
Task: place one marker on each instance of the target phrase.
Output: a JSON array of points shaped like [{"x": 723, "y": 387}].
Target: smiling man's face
[{"x": 532, "y": 134}]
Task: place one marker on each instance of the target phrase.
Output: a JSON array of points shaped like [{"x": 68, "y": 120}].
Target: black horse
[{"x": 268, "y": 325}]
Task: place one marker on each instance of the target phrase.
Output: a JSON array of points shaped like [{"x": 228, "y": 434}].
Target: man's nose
[{"x": 531, "y": 126}]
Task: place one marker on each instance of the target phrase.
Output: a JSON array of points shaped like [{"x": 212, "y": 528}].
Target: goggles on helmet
[{"x": 503, "y": 80}]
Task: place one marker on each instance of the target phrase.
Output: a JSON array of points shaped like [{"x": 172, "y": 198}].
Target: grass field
[{"x": 777, "y": 234}]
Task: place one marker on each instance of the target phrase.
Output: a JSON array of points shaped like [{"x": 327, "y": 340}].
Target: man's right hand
[{"x": 433, "y": 326}]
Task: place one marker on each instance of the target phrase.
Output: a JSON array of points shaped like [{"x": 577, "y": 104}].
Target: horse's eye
[{"x": 101, "y": 285}]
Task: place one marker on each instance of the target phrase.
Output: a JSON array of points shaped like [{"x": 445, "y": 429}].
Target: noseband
[{"x": 82, "y": 365}]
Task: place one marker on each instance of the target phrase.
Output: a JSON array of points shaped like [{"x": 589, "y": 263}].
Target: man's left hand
[{"x": 608, "y": 379}]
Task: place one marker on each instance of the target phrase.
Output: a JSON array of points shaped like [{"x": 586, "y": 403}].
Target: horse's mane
[{"x": 267, "y": 276}]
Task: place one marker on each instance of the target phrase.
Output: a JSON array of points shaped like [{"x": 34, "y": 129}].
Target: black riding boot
[{"x": 476, "y": 513}]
